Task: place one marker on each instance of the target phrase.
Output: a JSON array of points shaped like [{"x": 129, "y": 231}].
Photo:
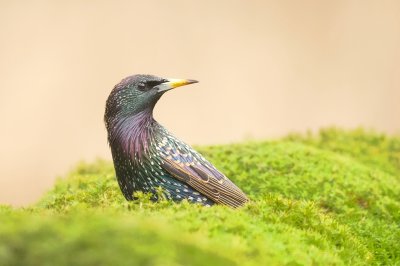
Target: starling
[{"x": 147, "y": 157}]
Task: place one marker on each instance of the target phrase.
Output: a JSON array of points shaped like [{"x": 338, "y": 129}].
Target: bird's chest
[{"x": 139, "y": 173}]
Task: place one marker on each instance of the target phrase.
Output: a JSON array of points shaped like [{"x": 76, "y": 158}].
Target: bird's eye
[
  {"x": 149, "y": 84},
  {"x": 141, "y": 86}
]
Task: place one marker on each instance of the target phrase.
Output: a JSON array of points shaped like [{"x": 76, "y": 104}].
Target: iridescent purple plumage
[{"x": 133, "y": 133}]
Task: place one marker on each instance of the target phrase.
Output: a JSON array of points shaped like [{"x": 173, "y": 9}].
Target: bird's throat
[{"x": 132, "y": 134}]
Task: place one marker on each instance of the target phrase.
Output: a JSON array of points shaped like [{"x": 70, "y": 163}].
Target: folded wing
[{"x": 190, "y": 167}]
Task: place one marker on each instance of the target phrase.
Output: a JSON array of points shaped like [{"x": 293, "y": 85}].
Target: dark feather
[{"x": 188, "y": 166}]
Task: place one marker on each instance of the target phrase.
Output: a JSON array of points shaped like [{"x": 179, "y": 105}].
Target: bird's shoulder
[{"x": 183, "y": 154}]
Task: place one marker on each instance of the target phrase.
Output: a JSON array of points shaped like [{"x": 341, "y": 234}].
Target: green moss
[{"x": 330, "y": 199}]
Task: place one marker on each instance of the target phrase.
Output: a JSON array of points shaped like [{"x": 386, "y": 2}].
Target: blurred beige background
[{"x": 266, "y": 68}]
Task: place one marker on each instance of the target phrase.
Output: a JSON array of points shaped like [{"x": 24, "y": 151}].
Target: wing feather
[{"x": 190, "y": 167}]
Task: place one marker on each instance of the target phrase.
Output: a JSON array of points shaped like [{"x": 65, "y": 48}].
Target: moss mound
[{"x": 330, "y": 199}]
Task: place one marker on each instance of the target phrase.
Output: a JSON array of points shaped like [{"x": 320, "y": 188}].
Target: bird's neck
[{"x": 133, "y": 134}]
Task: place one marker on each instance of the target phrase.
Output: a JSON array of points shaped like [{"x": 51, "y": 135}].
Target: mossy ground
[{"x": 330, "y": 199}]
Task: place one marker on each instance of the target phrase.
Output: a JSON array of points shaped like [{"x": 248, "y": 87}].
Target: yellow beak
[{"x": 174, "y": 83}]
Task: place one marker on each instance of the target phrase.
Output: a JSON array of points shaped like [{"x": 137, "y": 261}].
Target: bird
[{"x": 148, "y": 158}]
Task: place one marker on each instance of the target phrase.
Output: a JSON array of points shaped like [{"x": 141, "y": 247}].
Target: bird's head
[{"x": 138, "y": 93}]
